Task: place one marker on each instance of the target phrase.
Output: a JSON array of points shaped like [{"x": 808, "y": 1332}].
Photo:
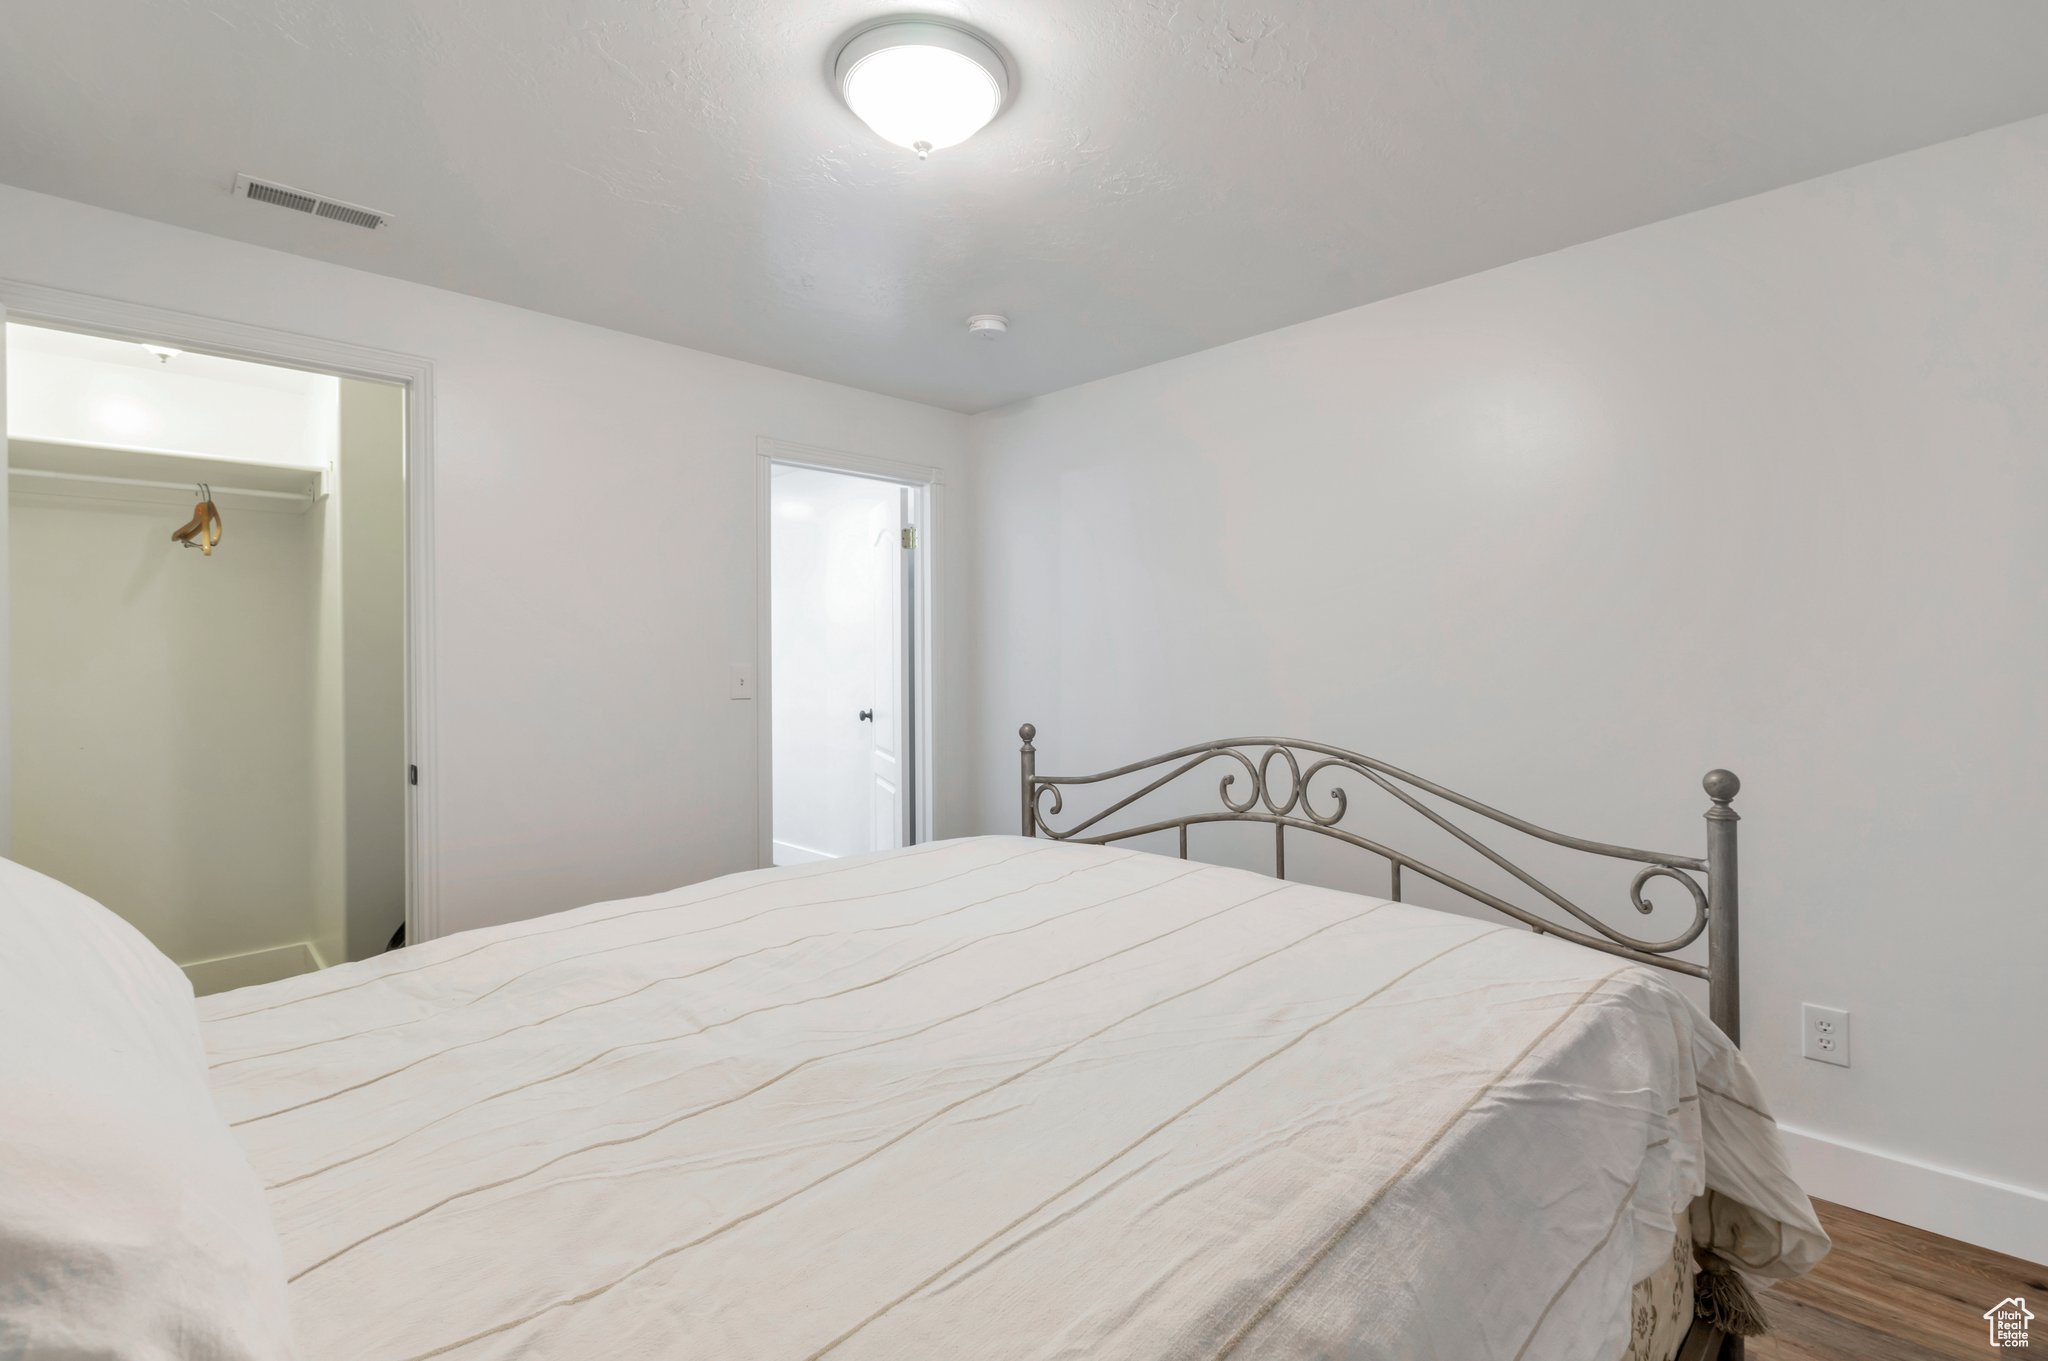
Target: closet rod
[{"x": 306, "y": 497}]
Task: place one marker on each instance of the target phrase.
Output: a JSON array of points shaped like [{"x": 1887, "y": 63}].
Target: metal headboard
[{"x": 1292, "y": 803}]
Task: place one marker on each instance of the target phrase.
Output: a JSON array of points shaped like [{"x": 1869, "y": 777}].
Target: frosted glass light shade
[{"x": 922, "y": 84}]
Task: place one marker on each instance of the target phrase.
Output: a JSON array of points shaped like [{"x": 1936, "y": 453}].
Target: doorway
[
  {"x": 212, "y": 743},
  {"x": 845, "y": 660}
]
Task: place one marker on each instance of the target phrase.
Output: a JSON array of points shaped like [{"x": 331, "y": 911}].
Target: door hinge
[
  {"x": 910, "y": 538},
  {"x": 412, "y": 774}
]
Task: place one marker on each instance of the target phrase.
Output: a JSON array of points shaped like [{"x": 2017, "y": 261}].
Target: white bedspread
[{"x": 986, "y": 1099}]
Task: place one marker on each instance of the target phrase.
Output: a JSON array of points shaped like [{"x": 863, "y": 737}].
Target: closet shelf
[{"x": 58, "y": 461}]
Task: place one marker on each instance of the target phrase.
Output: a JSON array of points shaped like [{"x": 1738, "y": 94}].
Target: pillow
[{"x": 131, "y": 1226}]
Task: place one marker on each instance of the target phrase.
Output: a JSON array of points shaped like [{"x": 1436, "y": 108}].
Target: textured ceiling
[{"x": 1170, "y": 175}]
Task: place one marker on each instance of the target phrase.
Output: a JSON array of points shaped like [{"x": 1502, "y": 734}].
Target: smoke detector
[
  {"x": 300, "y": 201},
  {"x": 987, "y": 325}
]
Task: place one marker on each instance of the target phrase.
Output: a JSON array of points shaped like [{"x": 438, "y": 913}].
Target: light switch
[{"x": 742, "y": 682}]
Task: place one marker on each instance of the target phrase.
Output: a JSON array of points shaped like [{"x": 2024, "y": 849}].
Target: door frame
[
  {"x": 72, "y": 311},
  {"x": 919, "y": 478}
]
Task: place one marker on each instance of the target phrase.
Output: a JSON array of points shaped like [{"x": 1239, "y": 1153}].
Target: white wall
[
  {"x": 324, "y": 743},
  {"x": 160, "y": 716},
  {"x": 371, "y": 482},
  {"x": 80, "y": 389},
  {"x": 355, "y": 584},
  {"x": 1762, "y": 487},
  {"x": 594, "y": 502}
]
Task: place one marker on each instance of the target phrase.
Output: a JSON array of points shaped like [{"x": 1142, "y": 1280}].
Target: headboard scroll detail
[{"x": 1290, "y": 783}]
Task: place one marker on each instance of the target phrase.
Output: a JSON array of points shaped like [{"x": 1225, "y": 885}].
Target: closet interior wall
[{"x": 211, "y": 745}]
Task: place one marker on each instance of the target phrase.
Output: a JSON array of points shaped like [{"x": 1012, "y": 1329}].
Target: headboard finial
[
  {"x": 1030, "y": 730},
  {"x": 1721, "y": 786}
]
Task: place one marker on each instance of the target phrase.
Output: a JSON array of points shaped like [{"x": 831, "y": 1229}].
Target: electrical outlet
[
  {"x": 742, "y": 681},
  {"x": 1826, "y": 1034}
]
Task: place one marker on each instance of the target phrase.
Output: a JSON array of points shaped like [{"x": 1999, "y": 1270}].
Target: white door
[
  {"x": 841, "y": 714},
  {"x": 890, "y": 804}
]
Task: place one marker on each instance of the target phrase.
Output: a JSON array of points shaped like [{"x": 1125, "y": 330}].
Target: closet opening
[
  {"x": 845, "y": 675},
  {"x": 207, "y": 599}
]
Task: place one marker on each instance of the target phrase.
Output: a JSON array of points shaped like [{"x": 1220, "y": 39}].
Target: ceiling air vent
[{"x": 299, "y": 201}]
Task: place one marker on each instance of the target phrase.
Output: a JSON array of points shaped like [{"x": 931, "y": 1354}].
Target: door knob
[{"x": 867, "y": 715}]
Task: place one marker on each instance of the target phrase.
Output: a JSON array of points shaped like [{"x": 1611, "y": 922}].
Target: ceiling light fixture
[
  {"x": 924, "y": 84},
  {"x": 164, "y": 353}
]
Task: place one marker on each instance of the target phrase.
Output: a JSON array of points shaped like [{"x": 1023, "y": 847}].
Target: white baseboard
[
  {"x": 257, "y": 966},
  {"x": 1992, "y": 1214},
  {"x": 789, "y": 853}
]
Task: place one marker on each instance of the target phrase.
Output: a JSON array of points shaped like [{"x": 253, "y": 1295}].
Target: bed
[
  {"x": 1036, "y": 1096},
  {"x": 1048, "y": 1095}
]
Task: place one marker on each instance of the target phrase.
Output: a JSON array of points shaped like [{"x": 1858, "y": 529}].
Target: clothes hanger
[
  {"x": 203, "y": 530},
  {"x": 183, "y": 534},
  {"x": 212, "y": 534}
]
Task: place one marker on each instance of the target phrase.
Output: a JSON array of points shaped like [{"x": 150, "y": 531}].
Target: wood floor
[{"x": 1890, "y": 1293}]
